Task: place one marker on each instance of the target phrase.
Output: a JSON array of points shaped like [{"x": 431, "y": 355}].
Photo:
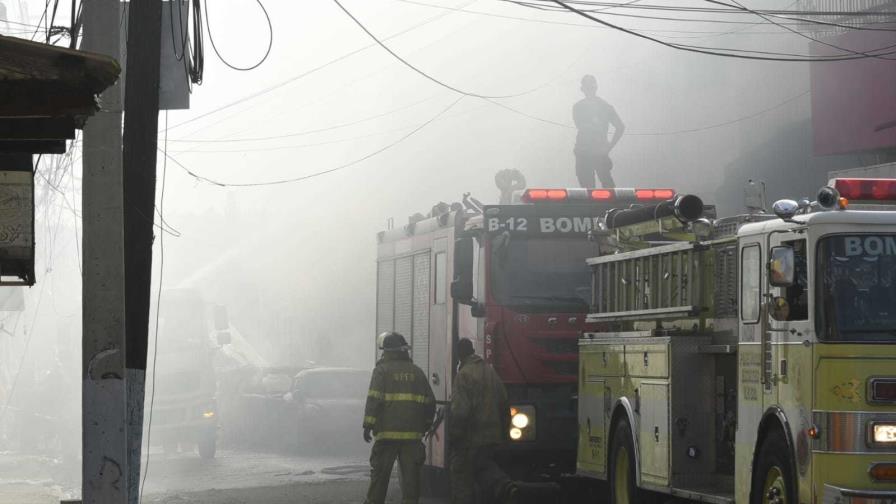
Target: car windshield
[
  {"x": 542, "y": 273},
  {"x": 857, "y": 288},
  {"x": 335, "y": 385}
]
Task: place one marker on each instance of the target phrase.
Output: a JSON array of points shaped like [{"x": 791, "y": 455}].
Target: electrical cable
[
  {"x": 799, "y": 21},
  {"x": 41, "y": 20},
  {"x": 295, "y": 146},
  {"x": 727, "y": 10},
  {"x": 306, "y": 73},
  {"x": 155, "y": 349},
  {"x": 419, "y": 71},
  {"x": 74, "y": 209},
  {"x": 208, "y": 25},
  {"x": 564, "y": 23},
  {"x": 714, "y": 51},
  {"x": 24, "y": 25},
  {"x": 768, "y": 19},
  {"x": 306, "y": 132},
  {"x": 323, "y": 172},
  {"x": 665, "y": 133}
]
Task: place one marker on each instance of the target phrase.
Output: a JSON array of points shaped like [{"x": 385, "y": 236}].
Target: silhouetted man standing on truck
[{"x": 593, "y": 117}]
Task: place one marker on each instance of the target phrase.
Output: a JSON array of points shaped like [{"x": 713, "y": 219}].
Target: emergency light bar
[
  {"x": 580, "y": 194},
  {"x": 865, "y": 189}
]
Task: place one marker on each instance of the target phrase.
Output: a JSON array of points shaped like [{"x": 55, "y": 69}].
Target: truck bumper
[{"x": 837, "y": 495}]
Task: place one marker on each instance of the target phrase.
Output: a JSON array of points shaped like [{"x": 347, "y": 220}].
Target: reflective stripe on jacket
[{"x": 400, "y": 403}]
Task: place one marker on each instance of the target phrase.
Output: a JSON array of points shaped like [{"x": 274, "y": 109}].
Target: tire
[
  {"x": 622, "y": 477},
  {"x": 208, "y": 445},
  {"x": 773, "y": 480}
]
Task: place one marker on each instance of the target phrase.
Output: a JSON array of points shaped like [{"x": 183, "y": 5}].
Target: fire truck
[
  {"x": 744, "y": 359},
  {"x": 512, "y": 278}
]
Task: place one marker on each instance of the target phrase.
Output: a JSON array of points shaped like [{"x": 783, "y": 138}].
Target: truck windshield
[
  {"x": 857, "y": 288},
  {"x": 542, "y": 273},
  {"x": 181, "y": 327}
]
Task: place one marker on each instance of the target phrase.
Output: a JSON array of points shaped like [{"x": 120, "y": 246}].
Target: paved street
[{"x": 184, "y": 478}]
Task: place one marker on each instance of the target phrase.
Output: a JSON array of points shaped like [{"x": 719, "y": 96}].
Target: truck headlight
[
  {"x": 522, "y": 423},
  {"x": 883, "y": 433}
]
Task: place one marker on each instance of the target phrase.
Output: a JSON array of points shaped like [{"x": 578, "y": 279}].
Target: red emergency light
[
  {"x": 866, "y": 189},
  {"x": 577, "y": 194},
  {"x": 533, "y": 195},
  {"x": 602, "y": 194},
  {"x": 654, "y": 194}
]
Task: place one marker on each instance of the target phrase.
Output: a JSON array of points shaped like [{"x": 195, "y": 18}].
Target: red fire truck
[{"x": 513, "y": 279}]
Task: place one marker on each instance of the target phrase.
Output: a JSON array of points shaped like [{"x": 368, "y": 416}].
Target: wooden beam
[
  {"x": 35, "y": 98},
  {"x": 33, "y": 146},
  {"x": 62, "y": 128}
]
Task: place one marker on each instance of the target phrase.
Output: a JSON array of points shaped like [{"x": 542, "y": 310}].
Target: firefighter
[
  {"x": 399, "y": 411},
  {"x": 478, "y": 425}
]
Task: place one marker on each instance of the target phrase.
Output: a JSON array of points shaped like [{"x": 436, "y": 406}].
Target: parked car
[{"x": 327, "y": 406}]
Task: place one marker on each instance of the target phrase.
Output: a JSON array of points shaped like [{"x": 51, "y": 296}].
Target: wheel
[
  {"x": 207, "y": 445},
  {"x": 773, "y": 481},
  {"x": 623, "y": 487}
]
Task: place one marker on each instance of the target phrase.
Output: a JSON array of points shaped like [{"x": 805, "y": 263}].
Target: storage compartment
[
  {"x": 654, "y": 432},
  {"x": 648, "y": 361}
]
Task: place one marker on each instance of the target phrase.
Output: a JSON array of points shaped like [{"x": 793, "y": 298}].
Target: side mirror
[
  {"x": 781, "y": 267},
  {"x": 462, "y": 285},
  {"x": 224, "y": 338},
  {"x": 222, "y": 323}
]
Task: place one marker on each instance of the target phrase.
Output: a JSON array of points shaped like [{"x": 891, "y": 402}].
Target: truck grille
[
  {"x": 564, "y": 368},
  {"x": 559, "y": 346}
]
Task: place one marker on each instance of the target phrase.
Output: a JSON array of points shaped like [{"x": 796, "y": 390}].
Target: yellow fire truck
[{"x": 745, "y": 359}]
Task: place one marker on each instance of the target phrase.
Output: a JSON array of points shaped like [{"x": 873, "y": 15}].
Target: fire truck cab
[{"x": 753, "y": 361}]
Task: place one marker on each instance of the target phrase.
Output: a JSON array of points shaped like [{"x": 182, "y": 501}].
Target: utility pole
[
  {"x": 103, "y": 400},
  {"x": 141, "y": 126}
]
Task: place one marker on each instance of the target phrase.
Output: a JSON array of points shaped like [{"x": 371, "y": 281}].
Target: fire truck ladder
[{"x": 657, "y": 283}]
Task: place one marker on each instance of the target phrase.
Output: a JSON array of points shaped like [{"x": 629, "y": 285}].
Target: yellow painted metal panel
[{"x": 649, "y": 361}]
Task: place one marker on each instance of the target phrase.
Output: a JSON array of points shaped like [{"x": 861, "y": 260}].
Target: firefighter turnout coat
[
  {"x": 400, "y": 403},
  {"x": 479, "y": 407}
]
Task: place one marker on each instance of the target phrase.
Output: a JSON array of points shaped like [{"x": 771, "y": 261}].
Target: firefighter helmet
[{"x": 392, "y": 341}]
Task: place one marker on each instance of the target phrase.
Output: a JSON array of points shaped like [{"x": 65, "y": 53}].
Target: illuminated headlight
[
  {"x": 884, "y": 433},
  {"x": 522, "y": 423},
  {"x": 208, "y": 414}
]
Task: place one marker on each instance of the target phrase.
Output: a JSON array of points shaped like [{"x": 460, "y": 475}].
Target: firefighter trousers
[
  {"x": 473, "y": 467},
  {"x": 410, "y": 455}
]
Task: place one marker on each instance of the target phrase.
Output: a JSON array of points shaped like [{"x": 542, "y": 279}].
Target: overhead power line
[
  {"x": 797, "y": 21},
  {"x": 306, "y": 73},
  {"x": 698, "y": 34},
  {"x": 723, "y": 52},
  {"x": 419, "y": 71},
  {"x": 769, "y": 19},
  {"x": 208, "y": 25},
  {"x": 323, "y": 172},
  {"x": 306, "y": 132},
  {"x": 663, "y": 133}
]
